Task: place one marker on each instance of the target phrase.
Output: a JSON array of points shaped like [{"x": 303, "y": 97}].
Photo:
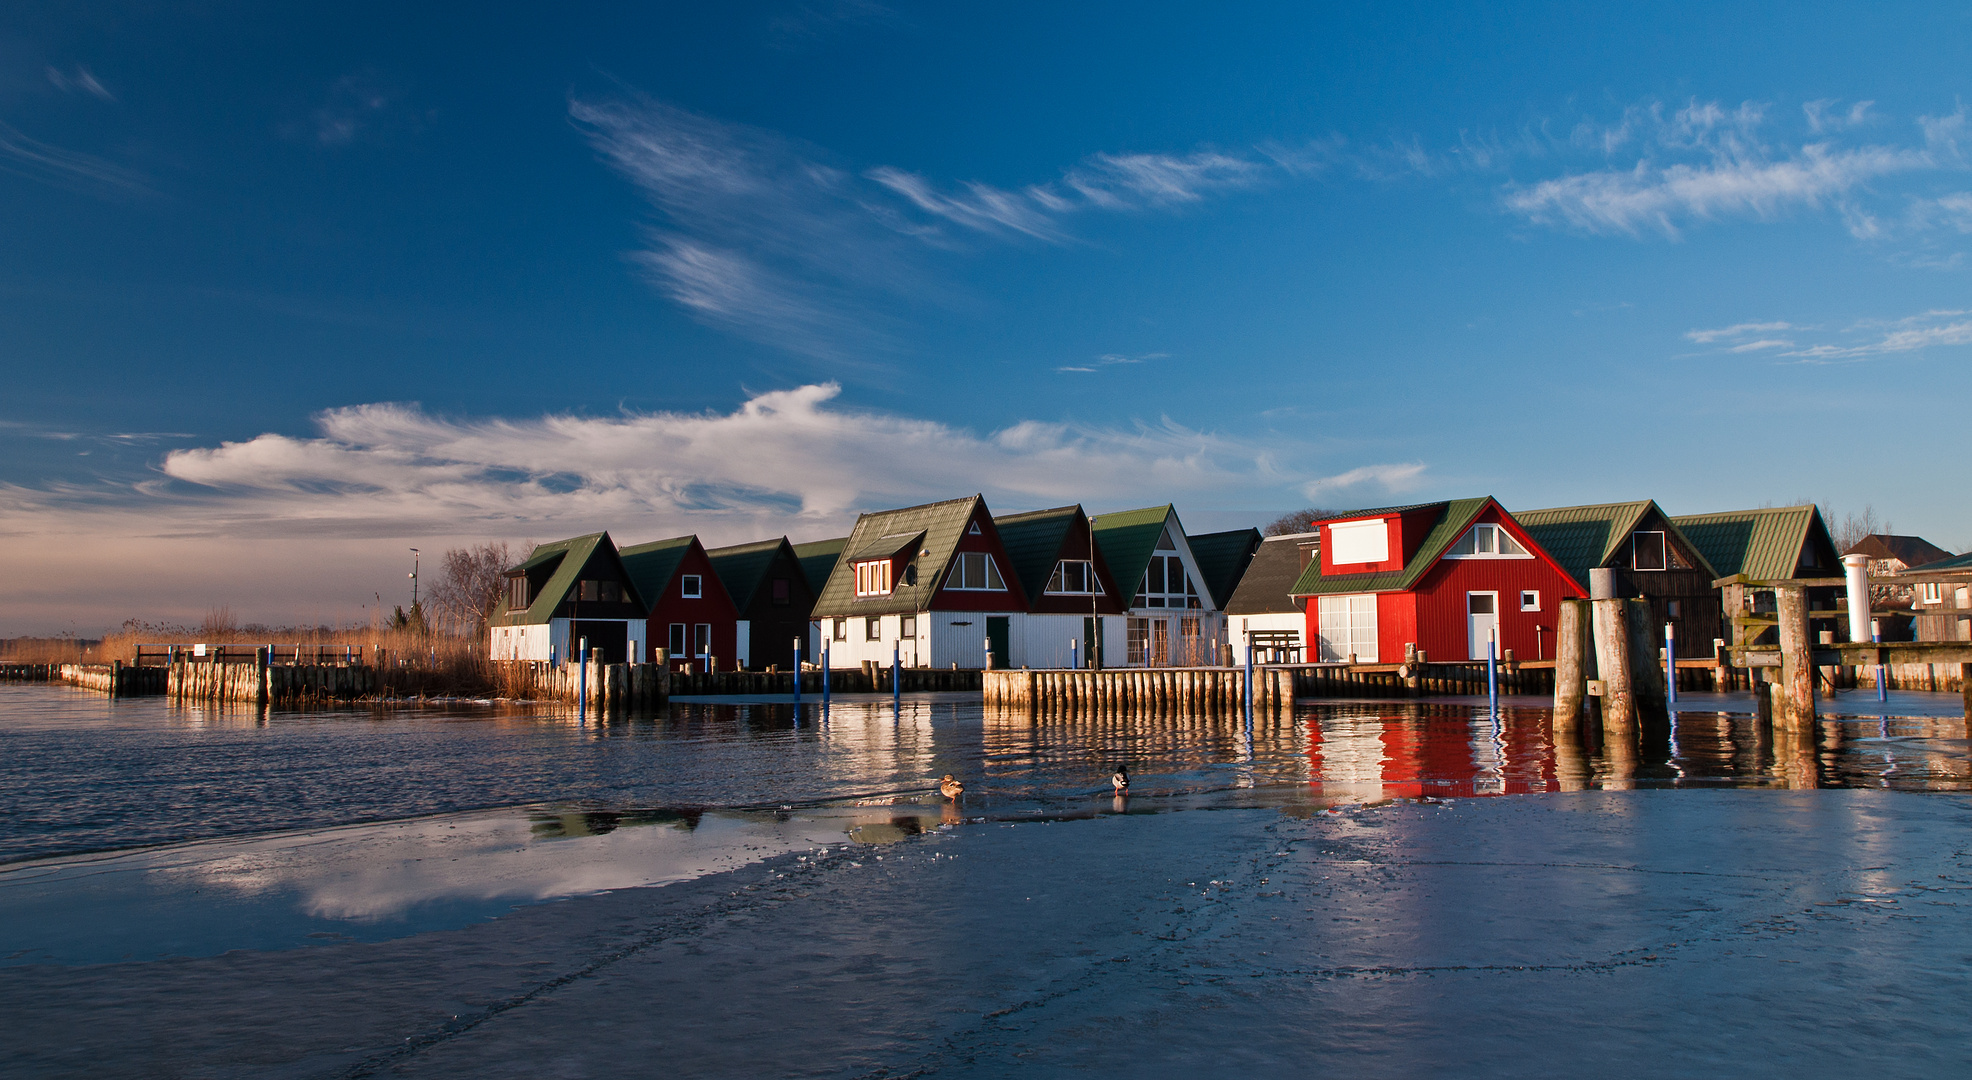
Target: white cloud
[
  {"x": 37, "y": 160},
  {"x": 80, "y": 80},
  {"x": 1933, "y": 328},
  {"x": 1762, "y": 344},
  {"x": 1112, "y": 360},
  {"x": 1395, "y": 478},
  {"x": 1706, "y": 337}
]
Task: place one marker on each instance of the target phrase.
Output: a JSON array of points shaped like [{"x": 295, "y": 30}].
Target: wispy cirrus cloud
[
  {"x": 1107, "y": 360},
  {"x": 38, "y": 160},
  {"x": 1861, "y": 340},
  {"x": 1707, "y": 163},
  {"x": 79, "y": 80},
  {"x": 1396, "y": 478},
  {"x": 780, "y": 242}
]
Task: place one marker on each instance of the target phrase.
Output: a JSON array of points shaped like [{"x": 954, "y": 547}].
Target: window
[
  {"x": 1348, "y": 625},
  {"x": 907, "y": 626},
  {"x": 1359, "y": 542},
  {"x": 974, "y": 531},
  {"x": 678, "y": 639},
  {"x": 517, "y": 591},
  {"x": 1675, "y": 610},
  {"x": 873, "y": 628},
  {"x": 1074, "y": 577},
  {"x": 975, "y": 570},
  {"x": 780, "y": 592},
  {"x": 702, "y": 639},
  {"x": 873, "y": 578},
  {"x": 1136, "y": 640},
  {"x": 1933, "y": 593},
  {"x": 608, "y": 592},
  {"x": 693, "y": 587},
  {"x": 1166, "y": 585},
  {"x": 1487, "y": 542},
  {"x": 840, "y": 630},
  {"x": 1647, "y": 551},
  {"x": 1530, "y": 600}
]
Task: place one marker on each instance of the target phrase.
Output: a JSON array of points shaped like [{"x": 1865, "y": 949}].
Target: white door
[{"x": 1482, "y": 621}]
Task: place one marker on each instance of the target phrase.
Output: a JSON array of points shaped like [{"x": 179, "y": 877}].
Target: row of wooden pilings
[
  {"x": 115, "y": 679},
  {"x": 189, "y": 679},
  {"x": 1138, "y": 689}
]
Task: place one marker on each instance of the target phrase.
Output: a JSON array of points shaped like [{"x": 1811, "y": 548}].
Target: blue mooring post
[
  {"x": 797, "y": 679},
  {"x": 1876, "y": 638},
  {"x": 1671, "y": 661},
  {"x": 1249, "y": 683},
  {"x": 896, "y": 677},
  {"x": 1493, "y": 672},
  {"x": 826, "y": 671},
  {"x": 1074, "y": 655},
  {"x": 582, "y": 682}
]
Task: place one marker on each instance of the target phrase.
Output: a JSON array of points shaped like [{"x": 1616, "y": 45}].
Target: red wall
[
  {"x": 1433, "y": 613},
  {"x": 988, "y": 540},
  {"x": 713, "y": 606}
]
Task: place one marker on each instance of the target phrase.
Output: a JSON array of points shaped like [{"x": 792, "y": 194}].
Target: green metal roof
[
  {"x": 1222, "y": 558},
  {"x": 1582, "y": 538},
  {"x": 1956, "y": 562},
  {"x": 818, "y": 559},
  {"x": 568, "y": 558},
  {"x": 1127, "y": 539},
  {"x": 1763, "y": 544},
  {"x": 1267, "y": 585},
  {"x": 1033, "y": 543},
  {"x": 943, "y": 525},
  {"x": 742, "y": 567},
  {"x": 1455, "y": 517},
  {"x": 652, "y": 565}
]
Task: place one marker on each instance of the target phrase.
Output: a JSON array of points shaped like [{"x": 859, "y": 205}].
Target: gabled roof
[
  {"x": 1381, "y": 511},
  {"x": 742, "y": 567},
  {"x": 1127, "y": 539},
  {"x": 1582, "y": 538},
  {"x": 568, "y": 557},
  {"x": 1222, "y": 559},
  {"x": 652, "y": 565},
  {"x": 1763, "y": 544},
  {"x": 1267, "y": 585},
  {"x": 1033, "y": 543},
  {"x": 818, "y": 558},
  {"x": 941, "y": 526},
  {"x": 1912, "y": 551},
  {"x": 1453, "y": 519},
  {"x": 1956, "y": 562}
]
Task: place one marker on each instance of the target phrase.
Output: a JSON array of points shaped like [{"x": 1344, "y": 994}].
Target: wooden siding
[{"x": 712, "y": 606}]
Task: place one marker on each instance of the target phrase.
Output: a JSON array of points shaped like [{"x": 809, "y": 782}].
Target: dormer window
[
  {"x": 517, "y": 592},
  {"x": 693, "y": 586},
  {"x": 974, "y": 570},
  {"x": 873, "y": 577},
  {"x": 1074, "y": 577},
  {"x": 1487, "y": 542}
]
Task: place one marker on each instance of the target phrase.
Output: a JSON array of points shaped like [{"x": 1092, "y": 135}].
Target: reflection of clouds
[{"x": 373, "y": 873}]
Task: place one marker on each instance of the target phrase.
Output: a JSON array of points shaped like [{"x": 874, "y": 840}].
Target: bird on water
[
  {"x": 1121, "y": 781},
  {"x": 950, "y": 787}
]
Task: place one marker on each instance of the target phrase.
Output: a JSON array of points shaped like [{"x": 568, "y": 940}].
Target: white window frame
[
  {"x": 1534, "y": 604},
  {"x": 1185, "y": 598},
  {"x": 702, "y": 639},
  {"x": 991, "y": 580},
  {"x": 1934, "y": 592},
  {"x": 1497, "y": 533},
  {"x": 1664, "y": 543},
  {"x": 873, "y": 577},
  {"x": 692, "y": 587},
  {"x": 1352, "y": 538},
  {"x": 1057, "y": 584},
  {"x": 1346, "y": 624},
  {"x": 873, "y": 628}
]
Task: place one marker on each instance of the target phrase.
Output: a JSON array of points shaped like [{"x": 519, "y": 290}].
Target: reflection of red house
[
  {"x": 690, "y": 613},
  {"x": 1443, "y": 576}
]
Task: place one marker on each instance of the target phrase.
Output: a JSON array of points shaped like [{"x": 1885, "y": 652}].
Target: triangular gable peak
[
  {"x": 1131, "y": 539},
  {"x": 556, "y": 574},
  {"x": 1631, "y": 535},
  {"x": 654, "y": 566},
  {"x": 898, "y": 561},
  {"x": 1414, "y": 541},
  {"x": 1770, "y": 543},
  {"x": 1052, "y": 554},
  {"x": 743, "y": 568}
]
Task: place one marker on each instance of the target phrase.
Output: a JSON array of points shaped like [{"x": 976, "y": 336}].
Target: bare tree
[
  {"x": 1294, "y": 521},
  {"x": 471, "y": 582},
  {"x": 1854, "y": 528}
]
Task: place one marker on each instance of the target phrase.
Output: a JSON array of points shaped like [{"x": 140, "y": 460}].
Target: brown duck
[{"x": 950, "y": 787}]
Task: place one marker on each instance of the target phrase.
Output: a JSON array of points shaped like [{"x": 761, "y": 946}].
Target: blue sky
[{"x": 306, "y": 287}]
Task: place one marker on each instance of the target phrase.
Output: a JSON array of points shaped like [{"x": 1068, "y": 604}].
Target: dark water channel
[{"x": 135, "y": 829}]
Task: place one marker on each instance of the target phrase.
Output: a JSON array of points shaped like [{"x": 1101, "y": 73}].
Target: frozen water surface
[{"x": 344, "y": 893}]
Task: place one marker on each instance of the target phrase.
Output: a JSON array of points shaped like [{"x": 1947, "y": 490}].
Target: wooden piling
[
  {"x": 1573, "y": 662},
  {"x": 1610, "y": 620},
  {"x": 1797, "y": 673}
]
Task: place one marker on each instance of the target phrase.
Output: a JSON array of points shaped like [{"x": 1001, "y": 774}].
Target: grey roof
[
  {"x": 1268, "y": 585},
  {"x": 941, "y": 525},
  {"x": 1912, "y": 551}
]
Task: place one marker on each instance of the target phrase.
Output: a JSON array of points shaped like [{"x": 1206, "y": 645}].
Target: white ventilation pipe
[{"x": 1856, "y": 569}]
